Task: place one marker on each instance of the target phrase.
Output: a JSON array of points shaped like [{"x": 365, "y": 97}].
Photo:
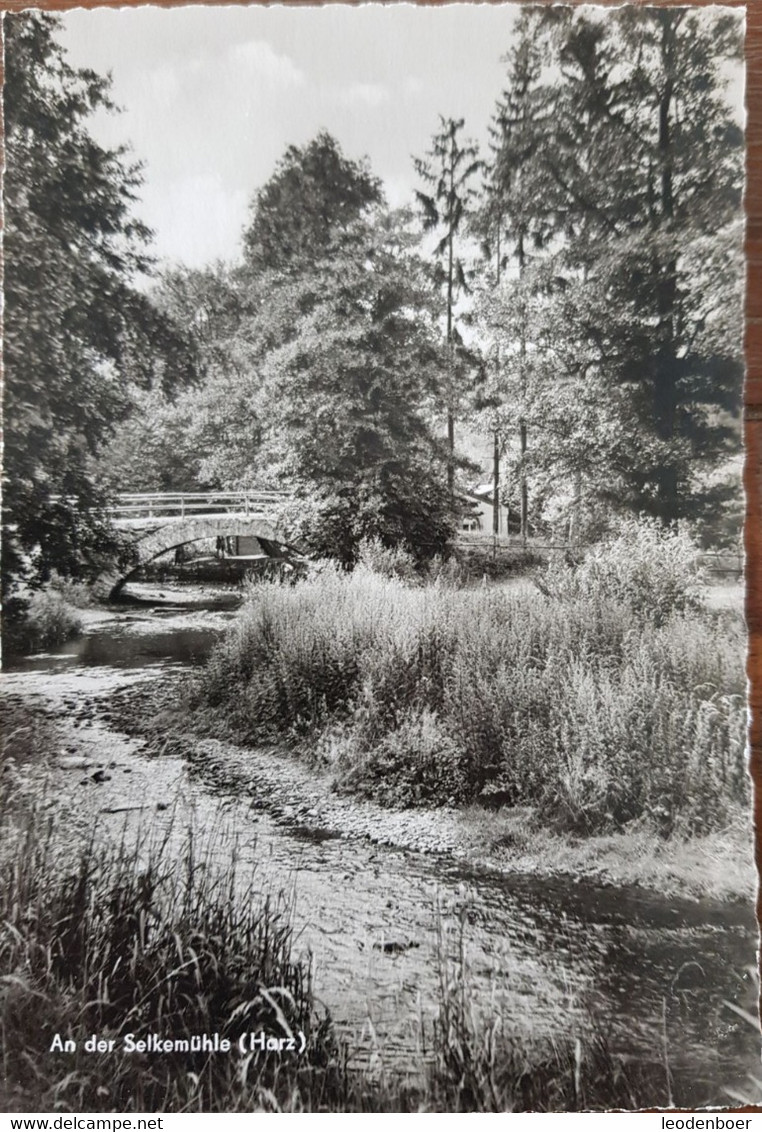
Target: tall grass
[
  {"x": 480, "y": 1064},
  {"x": 140, "y": 940},
  {"x": 134, "y": 940},
  {"x": 431, "y": 694}
]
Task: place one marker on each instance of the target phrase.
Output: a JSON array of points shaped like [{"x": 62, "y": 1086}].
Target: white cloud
[
  {"x": 367, "y": 94},
  {"x": 258, "y": 56}
]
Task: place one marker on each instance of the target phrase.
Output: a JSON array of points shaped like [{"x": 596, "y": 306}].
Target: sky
[{"x": 212, "y": 96}]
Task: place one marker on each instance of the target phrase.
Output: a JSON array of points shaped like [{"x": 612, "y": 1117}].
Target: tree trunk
[
  {"x": 450, "y": 366},
  {"x": 524, "y": 489},
  {"x": 496, "y": 435},
  {"x": 576, "y": 510},
  {"x": 450, "y": 452},
  {"x": 522, "y": 425},
  {"x": 666, "y": 393},
  {"x": 496, "y": 486}
]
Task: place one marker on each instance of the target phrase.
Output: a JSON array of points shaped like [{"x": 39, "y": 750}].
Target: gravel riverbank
[{"x": 143, "y": 713}]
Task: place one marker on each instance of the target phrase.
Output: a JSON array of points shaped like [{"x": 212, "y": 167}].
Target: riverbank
[
  {"x": 168, "y": 956},
  {"x": 377, "y": 890},
  {"x": 508, "y": 840}
]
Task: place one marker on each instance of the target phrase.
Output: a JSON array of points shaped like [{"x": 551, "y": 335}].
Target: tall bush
[
  {"x": 430, "y": 694},
  {"x": 647, "y": 567}
]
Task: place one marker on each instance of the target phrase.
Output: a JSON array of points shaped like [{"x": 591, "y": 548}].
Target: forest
[{"x": 573, "y": 294}]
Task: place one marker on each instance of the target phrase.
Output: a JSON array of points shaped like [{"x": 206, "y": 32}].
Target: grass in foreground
[
  {"x": 120, "y": 941},
  {"x": 134, "y": 940}
]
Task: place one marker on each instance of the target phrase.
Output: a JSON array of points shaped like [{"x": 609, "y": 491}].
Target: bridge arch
[{"x": 152, "y": 540}]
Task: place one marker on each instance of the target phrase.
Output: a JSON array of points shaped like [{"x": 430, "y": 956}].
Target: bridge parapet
[{"x": 162, "y": 504}]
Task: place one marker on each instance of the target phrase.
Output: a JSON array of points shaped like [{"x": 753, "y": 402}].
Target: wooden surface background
[{"x": 753, "y": 343}]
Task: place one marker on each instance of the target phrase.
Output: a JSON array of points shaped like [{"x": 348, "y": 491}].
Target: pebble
[{"x": 75, "y": 763}]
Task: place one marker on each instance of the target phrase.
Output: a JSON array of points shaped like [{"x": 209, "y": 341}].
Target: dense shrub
[
  {"x": 387, "y": 562},
  {"x": 647, "y": 567},
  {"x": 75, "y": 593},
  {"x": 479, "y": 560},
  {"x": 430, "y": 694},
  {"x": 43, "y": 621}
]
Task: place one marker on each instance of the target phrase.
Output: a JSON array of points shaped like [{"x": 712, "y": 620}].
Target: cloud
[
  {"x": 367, "y": 94},
  {"x": 258, "y": 56}
]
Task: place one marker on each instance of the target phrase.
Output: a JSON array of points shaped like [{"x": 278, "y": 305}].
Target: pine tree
[
  {"x": 631, "y": 183},
  {"x": 449, "y": 168}
]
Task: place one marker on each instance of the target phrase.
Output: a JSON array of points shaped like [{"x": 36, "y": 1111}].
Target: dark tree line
[
  {"x": 79, "y": 337},
  {"x": 612, "y": 217}
]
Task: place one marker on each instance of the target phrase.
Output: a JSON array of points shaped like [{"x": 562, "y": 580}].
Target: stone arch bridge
[{"x": 160, "y": 522}]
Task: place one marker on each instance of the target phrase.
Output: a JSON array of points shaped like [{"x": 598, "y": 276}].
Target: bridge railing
[{"x": 135, "y": 505}]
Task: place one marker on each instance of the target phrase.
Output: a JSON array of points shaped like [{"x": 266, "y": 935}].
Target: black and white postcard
[{"x": 374, "y": 703}]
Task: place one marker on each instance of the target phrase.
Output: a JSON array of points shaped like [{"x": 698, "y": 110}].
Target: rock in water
[{"x": 76, "y": 762}]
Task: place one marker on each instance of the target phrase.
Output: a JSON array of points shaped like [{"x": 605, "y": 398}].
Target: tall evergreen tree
[
  {"x": 633, "y": 185},
  {"x": 449, "y": 168},
  {"x": 514, "y": 221}
]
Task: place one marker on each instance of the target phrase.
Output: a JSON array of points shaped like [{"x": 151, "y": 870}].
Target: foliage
[
  {"x": 77, "y": 331},
  {"x": 448, "y": 169},
  {"x": 387, "y": 562},
  {"x": 343, "y": 399},
  {"x": 314, "y": 193},
  {"x": 615, "y": 179},
  {"x": 431, "y": 693},
  {"x": 175, "y": 439},
  {"x": 319, "y": 368},
  {"x": 47, "y": 619}
]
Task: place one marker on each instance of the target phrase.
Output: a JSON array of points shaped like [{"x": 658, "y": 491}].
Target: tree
[
  {"x": 313, "y": 192},
  {"x": 176, "y": 439},
  {"x": 320, "y": 371},
  {"x": 449, "y": 168},
  {"x": 343, "y": 400},
  {"x": 515, "y": 216},
  {"x": 313, "y": 197},
  {"x": 77, "y": 331},
  {"x": 549, "y": 377},
  {"x": 633, "y": 186}
]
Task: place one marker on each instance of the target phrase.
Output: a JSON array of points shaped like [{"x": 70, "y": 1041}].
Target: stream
[{"x": 384, "y": 922}]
